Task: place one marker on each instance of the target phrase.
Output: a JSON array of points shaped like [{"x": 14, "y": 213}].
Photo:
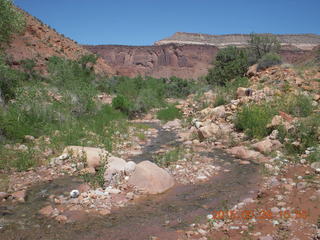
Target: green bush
[
  {"x": 306, "y": 132},
  {"x": 230, "y": 63},
  {"x": 121, "y": 103},
  {"x": 75, "y": 82},
  {"x": 140, "y": 94},
  {"x": 169, "y": 113},
  {"x": 10, "y": 79},
  {"x": 11, "y": 21},
  {"x": 253, "y": 120},
  {"x": 314, "y": 156},
  {"x": 169, "y": 157},
  {"x": 178, "y": 88},
  {"x": 268, "y": 60},
  {"x": 297, "y": 105}
]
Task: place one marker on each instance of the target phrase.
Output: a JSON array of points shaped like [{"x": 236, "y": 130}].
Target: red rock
[
  {"x": 20, "y": 196},
  {"x": 46, "y": 211},
  {"x": 84, "y": 187},
  {"x": 286, "y": 116},
  {"x": 3, "y": 195},
  {"x": 62, "y": 219}
]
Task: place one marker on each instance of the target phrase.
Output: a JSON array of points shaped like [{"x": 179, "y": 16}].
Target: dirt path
[{"x": 159, "y": 216}]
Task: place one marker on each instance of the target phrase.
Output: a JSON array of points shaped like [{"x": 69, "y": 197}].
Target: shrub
[
  {"x": 11, "y": 21},
  {"x": 306, "y": 132},
  {"x": 178, "y": 88},
  {"x": 75, "y": 82},
  {"x": 169, "y": 157},
  {"x": 253, "y": 119},
  {"x": 230, "y": 63},
  {"x": 9, "y": 80},
  {"x": 297, "y": 105},
  {"x": 122, "y": 104},
  {"x": 268, "y": 60},
  {"x": 314, "y": 156},
  {"x": 142, "y": 94},
  {"x": 260, "y": 45},
  {"x": 169, "y": 113}
]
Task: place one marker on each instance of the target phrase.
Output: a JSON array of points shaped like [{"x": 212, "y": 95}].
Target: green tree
[
  {"x": 261, "y": 44},
  {"x": 229, "y": 64},
  {"x": 11, "y": 21}
]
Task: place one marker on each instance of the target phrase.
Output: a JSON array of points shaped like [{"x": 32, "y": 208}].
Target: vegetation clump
[
  {"x": 253, "y": 120},
  {"x": 169, "y": 113},
  {"x": 11, "y": 21},
  {"x": 229, "y": 64},
  {"x": 268, "y": 60}
]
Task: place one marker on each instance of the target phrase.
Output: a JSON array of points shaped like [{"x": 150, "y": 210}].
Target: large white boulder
[{"x": 151, "y": 178}]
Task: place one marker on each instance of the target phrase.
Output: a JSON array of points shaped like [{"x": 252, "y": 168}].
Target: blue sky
[{"x": 142, "y": 22}]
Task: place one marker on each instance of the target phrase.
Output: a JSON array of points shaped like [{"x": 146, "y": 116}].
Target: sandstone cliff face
[
  {"x": 184, "y": 61},
  {"x": 39, "y": 42}
]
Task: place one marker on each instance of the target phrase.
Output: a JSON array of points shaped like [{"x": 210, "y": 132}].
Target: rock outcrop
[{"x": 187, "y": 61}]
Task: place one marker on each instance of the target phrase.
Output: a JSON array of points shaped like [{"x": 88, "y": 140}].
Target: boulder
[
  {"x": 151, "y": 178},
  {"x": 315, "y": 165},
  {"x": 209, "y": 130},
  {"x": 267, "y": 145},
  {"x": 129, "y": 167},
  {"x": 244, "y": 92},
  {"x": 115, "y": 166},
  {"x": 94, "y": 156},
  {"x": 46, "y": 211},
  {"x": 20, "y": 196},
  {"x": 244, "y": 153},
  {"x": 252, "y": 71},
  {"x": 173, "y": 124},
  {"x": 218, "y": 112},
  {"x": 213, "y": 113}
]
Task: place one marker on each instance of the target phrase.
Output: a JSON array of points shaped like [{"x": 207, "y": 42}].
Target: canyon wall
[
  {"x": 184, "y": 61},
  {"x": 188, "y": 55}
]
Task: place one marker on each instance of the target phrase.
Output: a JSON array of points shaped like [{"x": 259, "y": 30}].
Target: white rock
[
  {"x": 129, "y": 167},
  {"x": 64, "y": 156},
  {"x": 74, "y": 194}
]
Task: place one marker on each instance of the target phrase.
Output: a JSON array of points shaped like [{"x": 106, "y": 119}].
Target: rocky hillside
[
  {"x": 39, "y": 42},
  {"x": 301, "y": 41}
]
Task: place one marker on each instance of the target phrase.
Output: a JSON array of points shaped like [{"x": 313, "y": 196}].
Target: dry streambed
[{"x": 159, "y": 216}]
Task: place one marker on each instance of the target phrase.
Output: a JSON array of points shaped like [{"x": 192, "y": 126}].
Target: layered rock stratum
[{"x": 301, "y": 41}]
